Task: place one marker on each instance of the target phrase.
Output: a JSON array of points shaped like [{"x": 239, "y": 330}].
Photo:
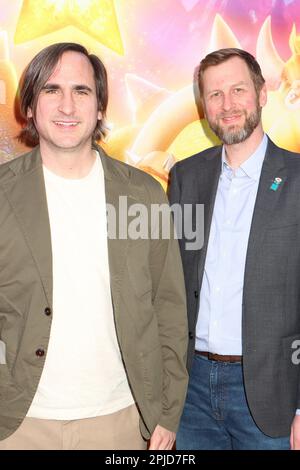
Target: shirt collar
[{"x": 252, "y": 166}]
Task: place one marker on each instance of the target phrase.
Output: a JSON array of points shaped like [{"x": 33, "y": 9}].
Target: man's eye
[
  {"x": 238, "y": 90},
  {"x": 82, "y": 92},
  {"x": 50, "y": 91}
]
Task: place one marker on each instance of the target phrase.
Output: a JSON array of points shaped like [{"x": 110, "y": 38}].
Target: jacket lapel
[
  {"x": 117, "y": 179},
  {"x": 266, "y": 201},
  {"x": 26, "y": 193},
  {"x": 209, "y": 177}
]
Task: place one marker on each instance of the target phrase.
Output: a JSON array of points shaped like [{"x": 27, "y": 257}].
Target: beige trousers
[{"x": 116, "y": 431}]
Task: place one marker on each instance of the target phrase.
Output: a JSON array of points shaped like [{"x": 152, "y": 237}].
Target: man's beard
[{"x": 236, "y": 136}]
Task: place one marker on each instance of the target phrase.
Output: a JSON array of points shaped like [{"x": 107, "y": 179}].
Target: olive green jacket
[{"x": 147, "y": 291}]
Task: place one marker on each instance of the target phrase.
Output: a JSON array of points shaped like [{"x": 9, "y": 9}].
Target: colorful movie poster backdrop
[{"x": 151, "y": 49}]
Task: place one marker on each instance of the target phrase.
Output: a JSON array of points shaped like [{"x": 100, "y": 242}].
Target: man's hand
[
  {"x": 162, "y": 439},
  {"x": 295, "y": 433}
]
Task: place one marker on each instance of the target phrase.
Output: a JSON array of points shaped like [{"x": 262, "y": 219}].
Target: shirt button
[
  {"x": 40, "y": 352},
  {"x": 191, "y": 336},
  {"x": 47, "y": 311},
  {"x": 196, "y": 294}
]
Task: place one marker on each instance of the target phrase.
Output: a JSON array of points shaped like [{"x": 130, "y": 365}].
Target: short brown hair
[
  {"x": 36, "y": 75},
  {"x": 220, "y": 56}
]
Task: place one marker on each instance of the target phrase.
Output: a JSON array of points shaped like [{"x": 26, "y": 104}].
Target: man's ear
[
  {"x": 29, "y": 113},
  {"x": 203, "y": 107},
  {"x": 263, "y": 96}
]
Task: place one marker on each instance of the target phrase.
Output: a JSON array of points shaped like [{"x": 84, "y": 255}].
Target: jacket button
[
  {"x": 47, "y": 311},
  {"x": 191, "y": 335},
  {"x": 196, "y": 294},
  {"x": 40, "y": 352}
]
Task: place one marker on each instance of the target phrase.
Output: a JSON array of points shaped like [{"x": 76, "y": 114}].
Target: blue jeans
[{"x": 216, "y": 415}]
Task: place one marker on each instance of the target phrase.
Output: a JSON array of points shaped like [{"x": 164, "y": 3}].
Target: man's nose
[
  {"x": 67, "y": 104},
  {"x": 228, "y": 101}
]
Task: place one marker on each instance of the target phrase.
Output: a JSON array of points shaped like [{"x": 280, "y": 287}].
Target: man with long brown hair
[{"x": 92, "y": 327}]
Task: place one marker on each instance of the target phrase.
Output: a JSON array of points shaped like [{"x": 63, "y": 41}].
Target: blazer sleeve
[{"x": 170, "y": 306}]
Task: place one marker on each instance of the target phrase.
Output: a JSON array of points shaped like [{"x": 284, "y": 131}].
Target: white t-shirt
[{"x": 83, "y": 375}]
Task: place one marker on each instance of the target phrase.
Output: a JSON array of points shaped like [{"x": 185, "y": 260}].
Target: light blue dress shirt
[{"x": 219, "y": 325}]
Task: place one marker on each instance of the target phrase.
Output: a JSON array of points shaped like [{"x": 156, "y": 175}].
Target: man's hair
[
  {"x": 222, "y": 55},
  {"x": 36, "y": 75}
]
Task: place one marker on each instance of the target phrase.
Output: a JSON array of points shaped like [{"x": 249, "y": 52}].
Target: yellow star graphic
[{"x": 94, "y": 17}]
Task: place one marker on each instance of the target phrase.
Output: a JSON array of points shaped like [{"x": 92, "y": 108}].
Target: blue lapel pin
[{"x": 275, "y": 185}]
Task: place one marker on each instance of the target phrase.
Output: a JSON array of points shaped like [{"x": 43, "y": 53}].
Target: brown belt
[{"x": 219, "y": 357}]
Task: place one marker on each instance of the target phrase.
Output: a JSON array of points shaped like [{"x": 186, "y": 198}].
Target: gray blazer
[{"x": 271, "y": 297}]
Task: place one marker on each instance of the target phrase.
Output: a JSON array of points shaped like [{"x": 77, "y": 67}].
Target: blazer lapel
[
  {"x": 207, "y": 190},
  {"x": 27, "y": 196},
  {"x": 117, "y": 181},
  {"x": 266, "y": 201}
]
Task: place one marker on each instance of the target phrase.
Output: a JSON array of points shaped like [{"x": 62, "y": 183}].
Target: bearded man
[{"x": 242, "y": 287}]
